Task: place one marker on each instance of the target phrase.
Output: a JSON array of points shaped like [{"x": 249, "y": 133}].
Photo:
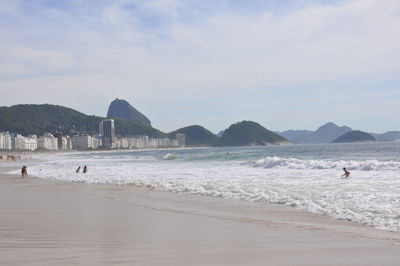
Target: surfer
[
  {"x": 77, "y": 170},
  {"x": 346, "y": 173},
  {"x": 85, "y": 169}
]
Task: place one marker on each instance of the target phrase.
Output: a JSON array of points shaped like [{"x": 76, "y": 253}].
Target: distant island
[
  {"x": 248, "y": 133},
  {"x": 354, "y": 136},
  {"x": 196, "y": 136}
]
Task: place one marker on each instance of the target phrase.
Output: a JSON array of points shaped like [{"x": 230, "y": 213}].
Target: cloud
[{"x": 161, "y": 50}]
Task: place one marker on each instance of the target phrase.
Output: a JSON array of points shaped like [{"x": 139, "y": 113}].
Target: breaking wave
[{"x": 293, "y": 163}]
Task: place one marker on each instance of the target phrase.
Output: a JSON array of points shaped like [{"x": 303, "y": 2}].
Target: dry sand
[{"x": 54, "y": 223}]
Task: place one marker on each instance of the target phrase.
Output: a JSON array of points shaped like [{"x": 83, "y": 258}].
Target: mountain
[
  {"x": 354, "y": 136},
  {"x": 122, "y": 109},
  {"x": 391, "y": 135},
  {"x": 248, "y": 133},
  {"x": 294, "y": 135},
  {"x": 324, "y": 134},
  {"x": 220, "y": 133},
  {"x": 37, "y": 119},
  {"x": 196, "y": 136}
]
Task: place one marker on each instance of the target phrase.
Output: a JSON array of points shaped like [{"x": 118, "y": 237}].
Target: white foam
[
  {"x": 171, "y": 156},
  {"x": 370, "y": 196},
  {"x": 293, "y": 163}
]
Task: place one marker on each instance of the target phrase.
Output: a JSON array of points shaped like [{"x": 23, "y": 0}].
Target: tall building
[
  {"x": 5, "y": 141},
  {"x": 181, "y": 138},
  {"x": 2, "y": 141},
  {"x": 107, "y": 131}
]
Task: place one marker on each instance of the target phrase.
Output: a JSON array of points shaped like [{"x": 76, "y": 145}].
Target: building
[
  {"x": 107, "y": 132},
  {"x": 82, "y": 142},
  {"x": 85, "y": 142},
  {"x": 26, "y": 143},
  {"x": 63, "y": 142},
  {"x": 5, "y": 141},
  {"x": 96, "y": 142},
  {"x": 31, "y": 143},
  {"x": 181, "y": 138},
  {"x": 48, "y": 142}
]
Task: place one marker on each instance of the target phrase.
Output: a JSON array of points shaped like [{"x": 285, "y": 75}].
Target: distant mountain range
[
  {"x": 329, "y": 132},
  {"x": 37, "y": 119},
  {"x": 324, "y": 134},
  {"x": 388, "y": 136},
  {"x": 295, "y": 136}
]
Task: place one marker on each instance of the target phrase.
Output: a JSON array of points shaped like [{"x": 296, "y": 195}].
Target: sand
[{"x": 46, "y": 222}]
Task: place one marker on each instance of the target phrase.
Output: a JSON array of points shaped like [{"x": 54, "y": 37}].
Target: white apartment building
[
  {"x": 2, "y": 141},
  {"x": 85, "y": 142},
  {"x": 64, "y": 143},
  {"x": 143, "y": 142},
  {"x": 164, "y": 142},
  {"x": 122, "y": 143},
  {"x": 26, "y": 143},
  {"x": 96, "y": 142},
  {"x": 48, "y": 142},
  {"x": 31, "y": 143},
  {"x": 5, "y": 141},
  {"x": 152, "y": 143}
]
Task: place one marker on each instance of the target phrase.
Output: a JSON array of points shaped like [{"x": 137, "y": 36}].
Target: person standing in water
[
  {"x": 346, "y": 173},
  {"x": 24, "y": 171},
  {"x": 85, "y": 169},
  {"x": 77, "y": 170}
]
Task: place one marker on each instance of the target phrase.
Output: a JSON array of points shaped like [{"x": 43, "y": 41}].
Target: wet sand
[{"x": 55, "y": 223}]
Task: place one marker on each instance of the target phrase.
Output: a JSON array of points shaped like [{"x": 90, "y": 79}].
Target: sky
[{"x": 284, "y": 64}]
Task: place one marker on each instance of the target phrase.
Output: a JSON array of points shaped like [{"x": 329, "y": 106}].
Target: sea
[{"x": 306, "y": 177}]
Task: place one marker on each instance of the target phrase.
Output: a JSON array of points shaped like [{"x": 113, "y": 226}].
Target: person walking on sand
[
  {"x": 77, "y": 170},
  {"x": 346, "y": 173},
  {"x": 24, "y": 171},
  {"x": 85, "y": 169}
]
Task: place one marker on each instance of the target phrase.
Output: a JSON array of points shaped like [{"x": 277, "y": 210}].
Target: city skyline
[{"x": 214, "y": 63}]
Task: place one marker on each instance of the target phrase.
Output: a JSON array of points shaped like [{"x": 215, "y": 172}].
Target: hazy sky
[{"x": 285, "y": 64}]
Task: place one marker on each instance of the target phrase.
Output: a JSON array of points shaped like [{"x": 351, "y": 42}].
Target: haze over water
[{"x": 307, "y": 177}]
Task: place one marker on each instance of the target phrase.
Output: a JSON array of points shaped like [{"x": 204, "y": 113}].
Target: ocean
[{"x": 306, "y": 177}]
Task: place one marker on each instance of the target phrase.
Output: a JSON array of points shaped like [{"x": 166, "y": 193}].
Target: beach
[{"x": 46, "y": 222}]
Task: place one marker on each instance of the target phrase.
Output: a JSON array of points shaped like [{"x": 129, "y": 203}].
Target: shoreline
[{"x": 48, "y": 222}]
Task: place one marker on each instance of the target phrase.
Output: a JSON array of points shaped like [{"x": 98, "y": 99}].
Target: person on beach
[
  {"x": 346, "y": 173},
  {"x": 85, "y": 169},
  {"x": 24, "y": 171},
  {"x": 77, "y": 170}
]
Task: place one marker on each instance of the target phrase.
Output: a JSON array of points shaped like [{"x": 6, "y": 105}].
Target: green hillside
[
  {"x": 28, "y": 119},
  {"x": 354, "y": 136},
  {"x": 196, "y": 136},
  {"x": 248, "y": 133}
]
